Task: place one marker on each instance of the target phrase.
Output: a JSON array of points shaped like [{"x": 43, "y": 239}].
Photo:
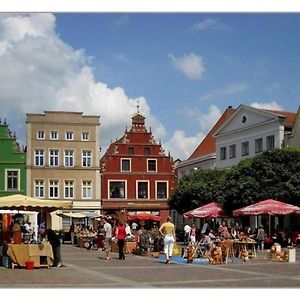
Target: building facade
[
  {"x": 63, "y": 159},
  {"x": 12, "y": 163},
  {"x": 251, "y": 131},
  {"x": 136, "y": 175}
]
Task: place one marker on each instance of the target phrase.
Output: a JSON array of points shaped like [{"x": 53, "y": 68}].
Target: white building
[{"x": 250, "y": 131}]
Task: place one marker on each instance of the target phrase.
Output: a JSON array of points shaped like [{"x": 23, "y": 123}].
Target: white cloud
[
  {"x": 273, "y": 105},
  {"x": 121, "y": 20},
  {"x": 183, "y": 146},
  {"x": 229, "y": 90},
  {"x": 191, "y": 65},
  {"x": 39, "y": 71},
  {"x": 208, "y": 24}
]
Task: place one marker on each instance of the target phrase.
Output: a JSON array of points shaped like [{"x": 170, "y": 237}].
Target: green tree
[
  {"x": 273, "y": 174},
  {"x": 199, "y": 188}
]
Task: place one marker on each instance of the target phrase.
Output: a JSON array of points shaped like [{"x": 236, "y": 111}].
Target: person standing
[
  {"x": 71, "y": 231},
  {"x": 107, "y": 240},
  {"x": 193, "y": 233},
  {"x": 223, "y": 231},
  {"x": 120, "y": 235},
  {"x": 260, "y": 237},
  {"x": 187, "y": 232},
  {"x": 55, "y": 243},
  {"x": 167, "y": 229}
]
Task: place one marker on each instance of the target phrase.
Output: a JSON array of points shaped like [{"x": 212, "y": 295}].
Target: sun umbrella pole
[{"x": 269, "y": 225}]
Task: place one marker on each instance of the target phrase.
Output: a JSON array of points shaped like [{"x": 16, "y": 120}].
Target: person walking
[
  {"x": 72, "y": 230},
  {"x": 167, "y": 229},
  {"x": 120, "y": 235},
  {"x": 107, "y": 239}
]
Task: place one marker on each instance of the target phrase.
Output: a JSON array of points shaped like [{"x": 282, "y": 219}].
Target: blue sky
[{"x": 183, "y": 68}]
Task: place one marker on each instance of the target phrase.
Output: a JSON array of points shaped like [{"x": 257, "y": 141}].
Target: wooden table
[
  {"x": 40, "y": 254},
  {"x": 245, "y": 245}
]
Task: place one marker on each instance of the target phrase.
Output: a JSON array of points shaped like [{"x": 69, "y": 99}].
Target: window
[
  {"x": 53, "y": 189},
  {"x": 146, "y": 151},
  {"x": 69, "y": 158},
  {"x": 86, "y": 158},
  {"x": 69, "y": 189},
  {"x": 223, "y": 153},
  {"x": 117, "y": 189},
  {"x": 87, "y": 189},
  {"x": 85, "y": 136},
  {"x": 142, "y": 190},
  {"x": 232, "y": 151},
  {"x": 53, "y": 135},
  {"x": 161, "y": 190},
  {"x": 125, "y": 165},
  {"x": 151, "y": 165},
  {"x": 12, "y": 180},
  {"x": 245, "y": 148},
  {"x": 258, "y": 145},
  {"x": 40, "y": 135},
  {"x": 130, "y": 150},
  {"x": 69, "y": 135},
  {"x": 53, "y": 157},
  {"x": 270, "y": 142},
  {"x": 39, "y": 157},
  {"x": 39, "y": 188}
]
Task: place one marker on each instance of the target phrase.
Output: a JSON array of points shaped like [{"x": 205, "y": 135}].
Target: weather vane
[{"x": 138, "y": 106}]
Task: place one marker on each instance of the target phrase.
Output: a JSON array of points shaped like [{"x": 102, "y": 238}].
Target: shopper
[
  {"x": 107, "y": 240},
  {"x": 120, "y": 235},
  {"x": 193, "y": 233},
  {"x": 167, "y": 229},
  {"x": 260, "y": 238}
]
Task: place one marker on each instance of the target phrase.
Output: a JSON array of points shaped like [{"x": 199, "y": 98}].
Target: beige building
[{"x": 63, "y": 160}]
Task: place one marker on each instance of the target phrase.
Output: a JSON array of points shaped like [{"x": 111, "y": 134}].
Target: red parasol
[
  {"x": 211, "y": 210},
  {"x": 267, "y": 207},
  {"x": 143, "y": 217}
]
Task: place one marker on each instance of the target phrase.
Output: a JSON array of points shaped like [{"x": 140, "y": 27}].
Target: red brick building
[{"x": 137, "y": 176}]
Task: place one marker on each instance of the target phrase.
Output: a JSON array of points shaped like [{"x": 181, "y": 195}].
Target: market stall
[{"x": 41, "y": 255}]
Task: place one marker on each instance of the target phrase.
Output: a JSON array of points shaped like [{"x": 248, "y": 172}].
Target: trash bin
[{"x": 292, "y": 255}]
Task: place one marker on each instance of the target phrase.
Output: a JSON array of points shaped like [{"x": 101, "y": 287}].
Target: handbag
[{"x": 176, "y": 250}]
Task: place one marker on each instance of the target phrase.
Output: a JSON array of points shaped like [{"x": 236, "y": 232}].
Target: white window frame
[
  {"x": 54, "y": 135},
  {"x": 38, "y": 135},
  {"x": 87, "y": 187},
  {"x": 55, "y": 158},
  {"x": 18, "y": 179},
  {"x": 88, "y": 158},
  {"x": 232, "y": 154},
  {"x": 268, "y": 148},
  {"x": 167, "y": 189},
  {"x": 256, "y": 145},
  {"x": 69, "y": 157},
  {"x": 245, "y": 150},
  {"x": 39, "y": 157},
  {"x": 69, "y": 135},
  {"x": 85, "y": 135},
  {"x": 152, "y": 159},
  {"x": 121, "y": 166},
  {"x": 40, "y": 184},
  {"x": 223, "y": 153},
  {"x": 137, "y": 189},
  {"x": 70, "y": 186},
  {"x": 117, "y": 180},
  {"x": 53, "y": 188}
]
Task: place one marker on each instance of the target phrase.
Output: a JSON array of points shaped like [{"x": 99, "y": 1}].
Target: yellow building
[{"x": 63, "y": 152}]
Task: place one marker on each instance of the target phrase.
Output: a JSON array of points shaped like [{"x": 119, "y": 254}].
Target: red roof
[
  {"x": 208, "y": 144},
  {"x": 290, "y": 117}
]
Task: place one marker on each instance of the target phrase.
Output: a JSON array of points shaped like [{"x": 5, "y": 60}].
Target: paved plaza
[{"x": 88, "y": 269}]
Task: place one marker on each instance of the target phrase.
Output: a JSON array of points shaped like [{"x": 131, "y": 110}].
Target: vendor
[{"x": 17, "y": 234}]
